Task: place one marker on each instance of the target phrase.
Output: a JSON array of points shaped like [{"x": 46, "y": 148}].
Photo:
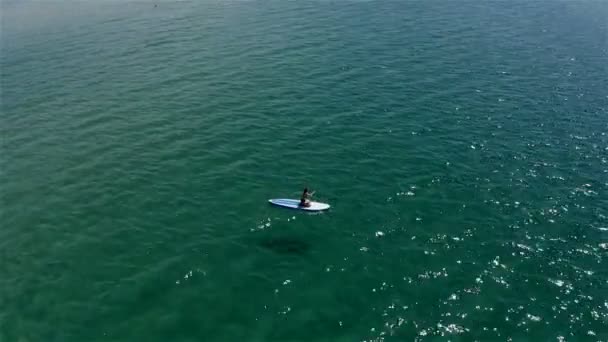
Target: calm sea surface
[{"x": 463, "y": 146}]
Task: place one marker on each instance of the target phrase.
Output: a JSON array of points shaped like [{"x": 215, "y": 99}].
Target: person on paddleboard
[{"x": 305, "y": 199}]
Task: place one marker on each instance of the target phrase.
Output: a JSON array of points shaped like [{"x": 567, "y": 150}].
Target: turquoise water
[{"x": 463, "y": 146}]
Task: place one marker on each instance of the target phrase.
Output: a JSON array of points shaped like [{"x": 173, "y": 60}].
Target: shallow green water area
[{"x": 462, "y": 145}]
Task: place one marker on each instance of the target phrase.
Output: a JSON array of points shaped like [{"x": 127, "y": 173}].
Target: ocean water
[{"x": 463, "y": 146}]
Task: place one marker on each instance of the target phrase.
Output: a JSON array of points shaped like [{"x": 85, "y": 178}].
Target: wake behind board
[{"x": 295, "y": 204}]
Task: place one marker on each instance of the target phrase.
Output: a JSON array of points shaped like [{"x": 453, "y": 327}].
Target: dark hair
[{"x": 306, "y": 189}]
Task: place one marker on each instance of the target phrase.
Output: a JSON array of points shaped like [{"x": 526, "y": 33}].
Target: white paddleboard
[{"x": 295, "y": 204}]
